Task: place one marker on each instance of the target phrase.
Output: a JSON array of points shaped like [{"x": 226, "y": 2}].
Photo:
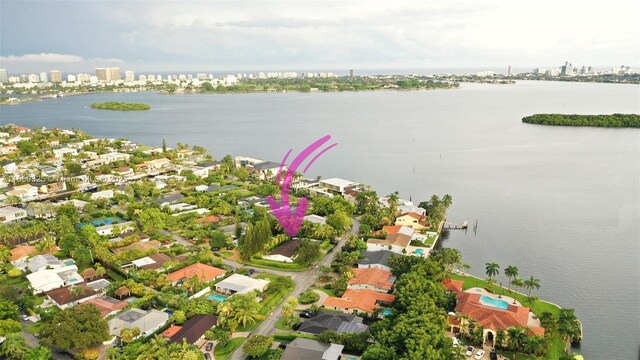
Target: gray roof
[
  {"x": 267, "y": 165},
  {"x": 42, "y": 261},
  {"x": 375, "y": 257},
  {"x": 307, "y": 349},
  {"x": 329, "y": 320},
  {"x": 171, "y": 198},
  {"x": 208, "y": 164},
  {"x": 135, "y": 317},
  {"x": 98, "y": 284}
]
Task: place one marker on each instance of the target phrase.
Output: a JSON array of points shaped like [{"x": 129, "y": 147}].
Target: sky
[{"x": 267, "y": 35}]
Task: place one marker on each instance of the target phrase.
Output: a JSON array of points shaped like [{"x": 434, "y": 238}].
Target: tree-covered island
[
  {"x": 613, "y": 120},
  {"x": 120, "y": 106}
]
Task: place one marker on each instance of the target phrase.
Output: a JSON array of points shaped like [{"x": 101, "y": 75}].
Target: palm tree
[
  {"x": 289, "y": 307},
  {"x": 511, "y": 272},
  {"x": 14, "y": 346},
  {"x": 533, "y": 345},
  {"x": 501, "y": 335},
  {"x": 517, "y": 283},
  {"x": 393, "y": 202},
  {"x": 532, "y": 283},
  {"x": 568, "y": 327},
  {"x": 517, "y": 339},
  {"x": 447, "y": 200},
  {"x": 492, "y": 269},
  {"x": 76, "y": 290},
  {"x": 45, "y": 244}
]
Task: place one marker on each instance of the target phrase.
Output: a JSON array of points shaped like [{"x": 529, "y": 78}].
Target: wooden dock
[{"x": 454, "y": 225}]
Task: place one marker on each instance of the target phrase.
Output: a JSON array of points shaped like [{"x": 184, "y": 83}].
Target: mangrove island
[
  {"x": 613, "y": 120},
  {"x": 120, "y": 106}
]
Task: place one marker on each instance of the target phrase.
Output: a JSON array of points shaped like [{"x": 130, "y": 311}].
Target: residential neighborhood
[{"x": 168, "y": 250}]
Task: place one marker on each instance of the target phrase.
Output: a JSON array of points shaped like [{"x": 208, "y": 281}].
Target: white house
[
  {"x": 49, "y": 279},
  {"x": 240, "y": 284},
  {"x": 147, "y": 321},
  {"x": 10, "y": 213},
  {"x": 24, "y": 192},
  {"x": 105, "y": 194},
  {"x": 397, "y": 243},
  {"x": 108, "y": 229},
  {"x": 59, "y": 153}
]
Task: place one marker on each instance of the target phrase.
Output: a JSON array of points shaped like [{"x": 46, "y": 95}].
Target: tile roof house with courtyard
[
  {"x": 359, "y": 300},
  {"x": 193, "y": 329},
  {"x": 147, "y": 321},
  {"x": 143, "y": 246},
  {"x": 373, "y": 279},
  {"x": 397, "y": 243},
  {"x": 308, "y": 349},
  {"x": 107, "y": 305},
  {"x": 329, "y": 320},
  {"x": 493, "y": 319},
  {"x": 205, "y": 273},
  {"x": 375, "y": 259},
  {"x": 284, "y": 252},
  {"x": 241, "y": 284},
  {"x": 413, "y": 220},
  {"x": 172, "y": 330},
  {"x": 395, "y": 229},
  {"x": 64, "y": 297}
]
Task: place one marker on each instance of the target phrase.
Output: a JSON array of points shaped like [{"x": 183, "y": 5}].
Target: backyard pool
[
  {"x": 496, "y": 303},
  {"x": 69, "y": 262},
  {"x": 217, "y": 297},
  {"x": 386, "y": 312},
  {"x": 419, "y": 251}
]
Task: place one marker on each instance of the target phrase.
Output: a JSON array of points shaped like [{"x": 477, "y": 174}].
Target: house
[
  {"x": 24, "y": 192},
  {"x": 205, "y": 273},
  {"x": 11, "y": 213},
  {"x": 88, "y": 273},
  {"x": 123, "y": 171},
  {"x": 375, "y": 259},
  {"x": 78, "y": 204},
  {"x": 108, "y": 228},
  {"x": 337, "y": 185},
  {"x": 284, "y": 252},
  {"x": 107, "y": 305},
  {"x": 64, "y": 297},
  {"x": 396, "y": 243},
  {"x": 21, "y": 252},
  {"x": 307, "y": 349},
  {"x": 99, "y": 285},
  {"x": 193, "y": 330},
  {"x": 366, "y": 301},
  {"x": 52, "y": 187},
  {"x": 201, "y": 188},
  {"x": 8, "y": 166},
  {"x": 60, "y": 153},
  {"x": 231, "y": 229},
  {"x": 240, "y": 284},
  {"x": 105, "y": 194},
  {"x": 172, "y": 330},
  {"x": 396, "y": 229},
  {"x": 200, "y": 172},
  {"x": 157, "y": 164},
  {"x": 21, "y": 129},
  {"x": 211, "y": 219},
  {"x": 151, "y": 262},
  {"x": 210, "y": 165},
  {"x": 113, "y": 157},
  {"x": 8, "y": 149},
  {"x": 413, "y": 220},
  {"x": 373, "y": 278},
  {"x": 493, "y": 318},
  {"x": 39, "y": 262},
  {"x": 143, "y": 246},
  {"x": 49, "y": 279},
  {"x": 268, "y": 169},
  {"x": 169, "y": 199},
  {"x": 329, "y": 320},
  {"x": 122, "y": 292},
  {"x": 243, "y": 161},
  {"x": 49, "y": 171},
  {"x": 147, "y": 321},
  {"x": 452, "y": 285}
]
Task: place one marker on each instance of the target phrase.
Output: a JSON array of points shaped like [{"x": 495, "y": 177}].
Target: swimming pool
[
  {"x": 217, "y": 297},
  {"x": 419, "y": 251},
  {"x": 496, "y": 303},
  {"x": 386, "y": 312},
  {"x": 69, "y": 262}
]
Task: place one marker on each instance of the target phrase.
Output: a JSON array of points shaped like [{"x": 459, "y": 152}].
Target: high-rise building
[
  {"x": 71, "y": 78},
  {"x": 33, "y": 78},
  {"x": 108, "y": 74},
  {"x": 351, "y": 73},
  {"x": 24, "y": 78},
  {"x": 44, "y": 77},
  {"x": 114, "y": 74},
  {"x": 509, "y": 71},
  {"x": 129, "y": 75},
  {"x": 566, "y": 69},
  {"x": 56, "y": 76},
  {"x": 4, "y": 76}
]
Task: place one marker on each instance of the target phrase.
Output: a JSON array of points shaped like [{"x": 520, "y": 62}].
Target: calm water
[{"x": 562, "y": 204}]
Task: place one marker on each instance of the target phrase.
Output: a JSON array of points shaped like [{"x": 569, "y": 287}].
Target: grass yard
[
  {"x": 115, "y": 276},
  {"x": 330, "y": 292},
  {"x": 275, "y": 265},
  {"x": 225, "y": 352},
  {"x": 282, "y": 324}
]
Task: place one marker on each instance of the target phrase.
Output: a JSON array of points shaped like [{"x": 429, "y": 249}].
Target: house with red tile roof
[
  {"x": 452, "y": 285},
  {"x": 373, "y": 278},
  {"x": 172, "y": 330},
  {"x": 477, "y": 307},
  {"x": 366, "y": 301},
  {"x": 413, "y": 220},
  {"x": 21, "y": 252},
  {"x": 212, "y": 219},
  {"x": 397, "y": 243},
  {"x": 107, "y": 305},
  {"x": 395, "y": 229},
  {"x": 63, "y": 297},
  {"x": 205, "y": 273}
]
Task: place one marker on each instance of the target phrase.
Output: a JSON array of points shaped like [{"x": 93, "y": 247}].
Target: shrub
[{"x": 308, "y": 297}]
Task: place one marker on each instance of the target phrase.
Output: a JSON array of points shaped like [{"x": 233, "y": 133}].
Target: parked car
[
  {"x": 282, "y": 346},
  {"x": 469, "y": 351},
  {"x": 493, "y": 355},
  {"x": 306, "y": 314},
  {"x": 250, "y": 272},
  {"x": 25, "y": 317},
  {"x": 209, "y": 346},
  {"x": 296, "y": 326},
  {"x": 207, "y": 356},
  {"x": 479, "y": 355},
  {"x": 215, "y": 249},
  {"x": 455, "y": 341}
]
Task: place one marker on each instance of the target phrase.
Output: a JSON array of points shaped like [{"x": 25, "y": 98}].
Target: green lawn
[
  {"x": 282, "y": 324},
  {"x": 223, "y": 353},
  {"x": 115, "y": 276},
  {"x": 330, "y": 292},
  {"x": 225, "y": 253},
  {"x": 269, "y": 303},
  {"x": 557, "y": 345},
  {"x": 289, "y": 336},
  {"x": 33, "y": 328},
  {"x": 275, "y": 265}
]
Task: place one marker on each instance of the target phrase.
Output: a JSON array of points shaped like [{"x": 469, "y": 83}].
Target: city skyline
[{"x": 190, "y": 36}]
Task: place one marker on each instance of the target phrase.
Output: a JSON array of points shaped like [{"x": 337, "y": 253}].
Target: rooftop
[{"x": 204, "y": 273}]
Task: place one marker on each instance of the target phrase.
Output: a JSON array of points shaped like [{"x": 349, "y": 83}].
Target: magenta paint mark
[{"x": 291, "y": 218}]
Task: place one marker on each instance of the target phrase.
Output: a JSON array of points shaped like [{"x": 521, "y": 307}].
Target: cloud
[{"x": 41, "y": 58}]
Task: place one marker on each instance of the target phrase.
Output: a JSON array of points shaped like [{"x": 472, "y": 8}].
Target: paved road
[
  {"x": 303, "y": 280},
  {"x": 177, "y": 238}
]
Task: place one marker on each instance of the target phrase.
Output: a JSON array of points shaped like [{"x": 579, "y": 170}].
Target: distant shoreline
[{"x": 607, "y": 121}]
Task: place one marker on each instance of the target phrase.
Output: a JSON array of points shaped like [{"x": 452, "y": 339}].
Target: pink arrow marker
[{"x": 289, "y": 218}]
